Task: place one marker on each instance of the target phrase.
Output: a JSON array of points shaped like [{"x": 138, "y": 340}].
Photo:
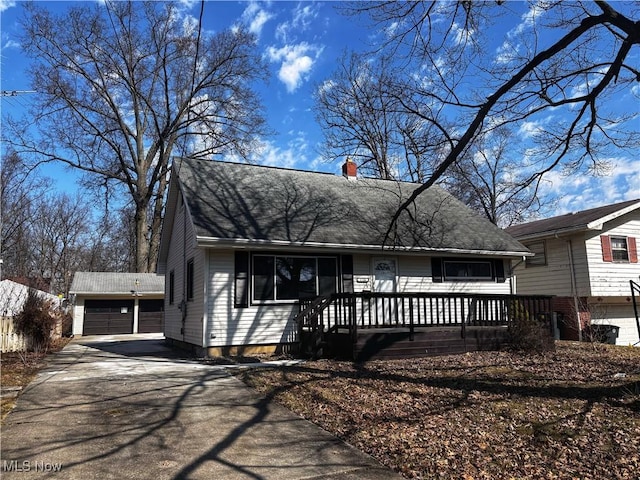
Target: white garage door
[{"x": 620, "y": 315}]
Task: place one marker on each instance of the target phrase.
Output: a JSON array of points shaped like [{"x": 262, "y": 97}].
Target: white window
[
  {"x": 467, "y": 270},
  {"x": 292, "y": 277},
  {"x": 619, "y": 249}
]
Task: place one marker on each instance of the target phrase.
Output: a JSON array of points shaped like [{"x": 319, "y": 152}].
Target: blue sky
[{"x": 302, "y": 42}]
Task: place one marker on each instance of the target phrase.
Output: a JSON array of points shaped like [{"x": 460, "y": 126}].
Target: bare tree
[
  {"x": 59, "y": 233},
  {"x": 362, "y": 117},
  {"x": 18, "y": 188},
  {"x": 489, "y": 180},
  {"x": 123, "y": 86},
  {"x": 552, "y": 78}
]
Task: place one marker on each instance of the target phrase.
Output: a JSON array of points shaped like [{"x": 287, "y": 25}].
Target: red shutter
[
  {"x": 607, "y": 256},
  {"x": 633, "y": 249}
]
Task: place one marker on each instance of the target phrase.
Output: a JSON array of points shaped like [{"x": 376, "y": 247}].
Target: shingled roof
[
  {"x": 241, "y": 204},
  {"x": 573, "y": 222},
  {"x": 116, "y": 283}
]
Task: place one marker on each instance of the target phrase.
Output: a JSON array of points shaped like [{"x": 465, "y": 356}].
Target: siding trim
[
  {"x": 241, "y": 279},
  {"x": 346, "y": 270}
]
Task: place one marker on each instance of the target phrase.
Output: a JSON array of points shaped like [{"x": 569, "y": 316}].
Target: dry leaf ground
[
  {"x": 18, "y": 369},
  {"x": 570, "y": 414}
]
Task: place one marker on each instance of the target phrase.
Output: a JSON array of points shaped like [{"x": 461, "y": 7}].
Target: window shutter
[
  {"x": 241, "y": 280},
  {"x": 607, "y": 256},
  {"x": 346, "y": 266},
  {"x": 499, "y": 270},
  {"x": 436, "y": 270},
  {"x": 633, "y": 249}
]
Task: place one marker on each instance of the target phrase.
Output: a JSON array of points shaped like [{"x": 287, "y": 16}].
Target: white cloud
[
  {"x": 303, "y": 17},
  {"x": 271, "y": 155},
  {"x": 188, "y": 4},
  {"x": 507, "y": 52},
  {"x": 581, "y": 191},
  {"x": 510, "y": 48},
  {"x": 461, "y": 35},
  {"x": 189, "y": 25},
  {"x": 529, "y": 129},
  {"x": 255, "y": 17},
  {"x": 296, "y": 62},
  {"x": 5, "y": 4},
  {"x": 530, "y": 17},
  {"x": 10, "y": 44}
]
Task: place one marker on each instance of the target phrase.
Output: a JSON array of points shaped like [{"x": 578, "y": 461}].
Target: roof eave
[
  {"x": 130, "y": 293},
  {"x": 550, "y": 233},
  {"x": 241, "y": 243},
  {"x": 598, "y": 224}
]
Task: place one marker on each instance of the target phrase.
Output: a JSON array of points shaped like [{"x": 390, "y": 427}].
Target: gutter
[{"x": 248, "y": 243}]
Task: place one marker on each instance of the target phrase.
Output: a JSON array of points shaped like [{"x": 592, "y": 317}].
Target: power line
[{"x": 15, "y": 93}]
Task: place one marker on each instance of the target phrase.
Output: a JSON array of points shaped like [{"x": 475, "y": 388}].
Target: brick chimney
[{"x": 350, "y": 169}]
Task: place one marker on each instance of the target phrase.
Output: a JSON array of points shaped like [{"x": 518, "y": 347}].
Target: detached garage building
[{"x": 108, "y": 303}]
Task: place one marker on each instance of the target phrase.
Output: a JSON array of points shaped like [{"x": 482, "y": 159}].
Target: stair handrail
[{"x": 309, "y": 315}]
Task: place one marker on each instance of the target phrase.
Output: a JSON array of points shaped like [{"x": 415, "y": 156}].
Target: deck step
[{"x": 396, "y": 344}]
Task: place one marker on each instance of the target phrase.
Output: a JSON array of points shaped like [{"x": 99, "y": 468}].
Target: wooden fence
[{"x": 10, "y": 340}]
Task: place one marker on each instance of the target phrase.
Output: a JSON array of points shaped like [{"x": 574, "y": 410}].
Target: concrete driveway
[{"x": 130, "y": 408}]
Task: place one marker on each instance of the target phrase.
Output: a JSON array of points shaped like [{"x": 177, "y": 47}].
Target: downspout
[
  {"x": 574, "y": 289},
  {"x": 512, "y": 279}
]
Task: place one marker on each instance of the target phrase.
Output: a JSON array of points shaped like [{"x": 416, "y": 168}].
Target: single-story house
[
  {"x": 243, "y": 244},
  {"x": 109, "y": 303},
  {"x": 587, "y": 260}
]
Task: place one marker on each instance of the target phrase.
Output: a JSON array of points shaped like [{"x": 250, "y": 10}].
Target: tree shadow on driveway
[{"x": 101, "y": 413}]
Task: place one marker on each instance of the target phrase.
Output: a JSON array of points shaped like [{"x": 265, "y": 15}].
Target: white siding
[
  {"x": 554, "y": 278},
  {"x": 181, "y": 249},
  {"x": 362, "y": 278},
  {"x": 273, "y": 324},
  {"x": 612, "y": 278},
  {"x": 415, "y": 276},
  {"x": 78, "y": 316},
  {"x": 253, "y": 325}
]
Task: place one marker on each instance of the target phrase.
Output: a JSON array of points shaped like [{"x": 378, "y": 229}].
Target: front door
[
  {"x": 384, "y": 275},
  {"x": 384, "y": 281}
]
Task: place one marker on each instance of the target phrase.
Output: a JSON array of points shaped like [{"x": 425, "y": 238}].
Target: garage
[
  {"x": 108, "y": 317},
  {"x": 151, "y": 316},
  {"x": 622, "y": 316},
  {"x": 114, "y": 303}
]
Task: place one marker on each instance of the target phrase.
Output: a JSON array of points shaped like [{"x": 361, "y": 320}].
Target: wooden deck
[{"x": 368, "y": 326}]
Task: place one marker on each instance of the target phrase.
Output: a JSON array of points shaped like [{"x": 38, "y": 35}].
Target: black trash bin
[{"x": 606, "y": 333}]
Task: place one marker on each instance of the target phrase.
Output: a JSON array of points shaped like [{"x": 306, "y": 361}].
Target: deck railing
[{"x": 367, "y": 310}]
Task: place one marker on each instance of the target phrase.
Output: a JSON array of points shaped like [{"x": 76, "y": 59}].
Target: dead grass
[
  {"x": 573, "y": 413},
  {"x": 18, "y": 369}
]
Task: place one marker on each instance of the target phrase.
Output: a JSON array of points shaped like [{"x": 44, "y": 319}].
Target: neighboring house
[
  {"x": 242, "y": 244},
  {"x": 586, "y": 259},
  {"x": 12, "y": 298},
  {"x": 117, "y": 303}
]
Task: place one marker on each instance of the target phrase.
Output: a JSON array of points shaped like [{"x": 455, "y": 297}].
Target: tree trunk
[
  {"x": 142, "y": 246},
  {"x": 156, "y": 224}
]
